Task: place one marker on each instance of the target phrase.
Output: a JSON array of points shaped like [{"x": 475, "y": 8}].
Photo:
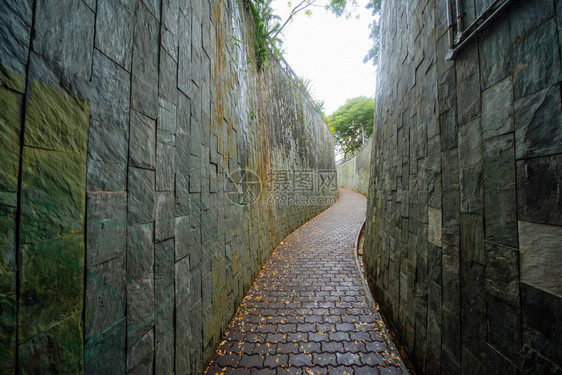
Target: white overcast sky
[{"x": 329, "y": 51}]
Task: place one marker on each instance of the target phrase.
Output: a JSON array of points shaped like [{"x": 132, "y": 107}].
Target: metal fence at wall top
[{"x": 356, "y": 152}]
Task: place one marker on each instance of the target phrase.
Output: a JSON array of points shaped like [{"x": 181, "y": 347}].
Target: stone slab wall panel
[
  {"x": 463, "y": 242},
  {"x": 122, "y": 249},
  {"x": 354, "y": 173}
]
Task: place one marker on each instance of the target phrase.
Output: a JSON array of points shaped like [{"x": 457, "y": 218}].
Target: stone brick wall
[
  {"x": 354, "y": 173},
  {"x": 121, "y": 249},
  {"x": 464, "y": 235}
]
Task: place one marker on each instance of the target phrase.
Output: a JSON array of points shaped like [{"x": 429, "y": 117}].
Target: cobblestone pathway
[{"x": 307, "y": 312}]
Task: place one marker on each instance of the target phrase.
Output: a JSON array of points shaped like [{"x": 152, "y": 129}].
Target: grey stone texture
[
  {"x": 15, "y": 23},
  {"x": 108, "y": 136},
  {"x": 471, "y": 276},
  {"x": 353, "y": 174},
  {"x": 114, "y": 31},
  {"x": 64, "y": 34},
  {"x": 107, "y": 226},
  {"x": 134, "y": 251}
]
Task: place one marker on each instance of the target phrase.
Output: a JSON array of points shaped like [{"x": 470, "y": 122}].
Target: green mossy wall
[{"x": 120, "y": 249}]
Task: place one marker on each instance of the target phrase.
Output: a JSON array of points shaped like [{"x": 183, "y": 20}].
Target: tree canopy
[{"x": 352, "y": 123}]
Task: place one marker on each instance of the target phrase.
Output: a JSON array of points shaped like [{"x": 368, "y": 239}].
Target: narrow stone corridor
[
  {"x": 167, "y": 183},
  {"x": 307, "y": 311}
]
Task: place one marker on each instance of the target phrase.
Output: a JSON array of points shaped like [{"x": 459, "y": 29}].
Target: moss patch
[
  {"x": 53, "y": 196},
  {"x": 7, "y": 334},
  {"x": 11, "y": 79},
  {"x": 10, "y": 126},
  {"x": 56, "y": 120},
  {"x": 52, "y": 283},
  {"x": 7, "y": 244}
]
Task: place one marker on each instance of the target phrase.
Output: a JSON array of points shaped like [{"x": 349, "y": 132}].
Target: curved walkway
[{"x": 307, "y": 311}]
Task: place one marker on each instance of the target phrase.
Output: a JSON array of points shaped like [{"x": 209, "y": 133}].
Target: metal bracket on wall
[{"x": 464, "y": 37}]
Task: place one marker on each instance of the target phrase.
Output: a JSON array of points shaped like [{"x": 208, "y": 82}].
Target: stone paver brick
[
  {"x": 276, "y": 338},
  {"x": 310, "y": 347},
  {"x": 265, "y": 348},
  {"x": 300, "y": 360},
  {"x": 263, "y": 371},
  {"x": 324, "y": 359},
  {"x": 353, "y": 347},
  {"x": 241, "y": 347},
  {"x": 214, "y": 370},
  {"x": 277, "y": 360},
  {"x": 340, "y": 370},
  {"x": 318, "y": 336},
  {"x": 348, "y": 359},
  {"x": 254, "y": 360},
  {"x": 332, "y": 347},
  {"x": 287, "y": 348},
  {"x": 391, "y": 370},
  {"x": 237, "y": 371},
  {"x": 227, "y": 359},
  {"x": 291, "y": 371},
  {"x": 372, "y": 359},
  {"x": 365, "y": 370},
  {"x": 316, "y": 371},
  {"x": 340, "y": 336},
  {"x": 307, "y": 312}
]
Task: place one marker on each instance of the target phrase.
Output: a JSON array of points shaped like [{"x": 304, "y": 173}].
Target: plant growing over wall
[
  {"x": 268, "y": 27},
  {"x": 263, "y": 14},
  {"x": 305, "y": 85}
]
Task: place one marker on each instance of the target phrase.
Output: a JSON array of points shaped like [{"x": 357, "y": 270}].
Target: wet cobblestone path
[{"x": 307, "y": 311}]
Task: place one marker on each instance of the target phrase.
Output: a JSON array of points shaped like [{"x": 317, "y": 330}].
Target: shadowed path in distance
[{"x": 307, "y": 311}]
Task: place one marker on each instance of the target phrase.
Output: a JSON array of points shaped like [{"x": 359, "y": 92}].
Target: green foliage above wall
[{"x": 352, "y": 123}]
